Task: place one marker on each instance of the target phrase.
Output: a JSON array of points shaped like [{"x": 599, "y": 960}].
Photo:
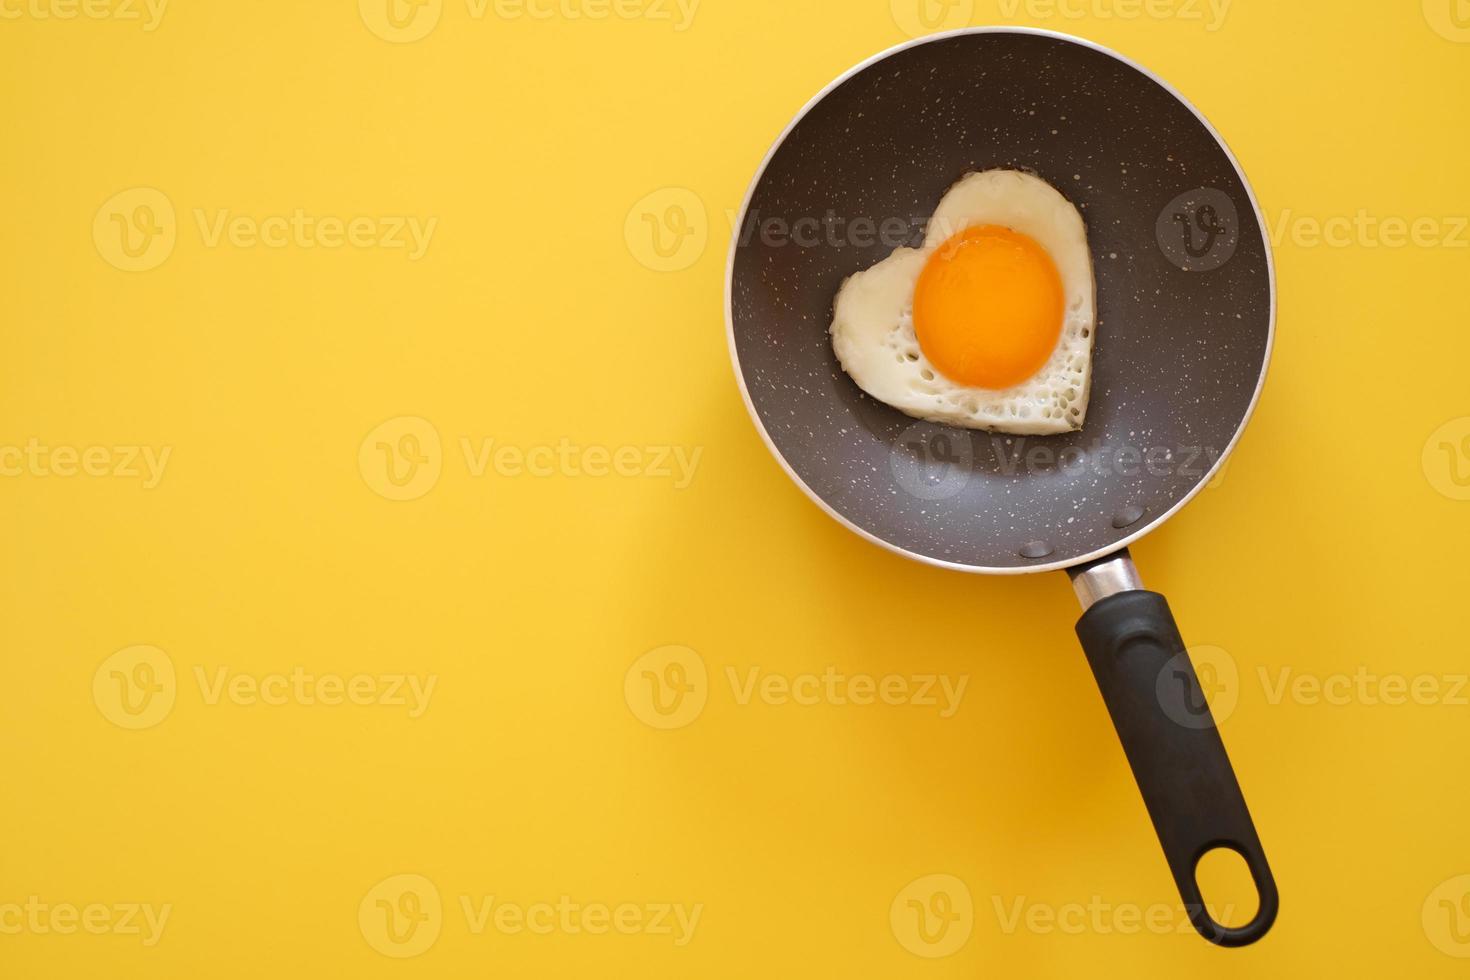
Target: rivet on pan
[
  {"x": 1128, "y": 515},
  {"x": 1036, "y": 549}
]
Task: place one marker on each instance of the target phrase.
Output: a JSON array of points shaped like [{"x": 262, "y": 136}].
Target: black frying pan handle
[{"x": 1177, "y": 757}]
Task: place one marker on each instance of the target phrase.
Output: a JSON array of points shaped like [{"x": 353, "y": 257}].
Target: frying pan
[{"x": 1186, "y": 305}]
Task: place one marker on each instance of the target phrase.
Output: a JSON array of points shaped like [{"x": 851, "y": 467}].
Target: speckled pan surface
[{"x": 1184, "y": 291}]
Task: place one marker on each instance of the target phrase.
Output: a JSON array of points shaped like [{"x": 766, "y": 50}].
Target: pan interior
[{"x": 1184, "y": 297}]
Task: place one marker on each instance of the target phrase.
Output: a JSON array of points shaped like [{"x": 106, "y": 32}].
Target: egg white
[{"x": 873, "y": 323}]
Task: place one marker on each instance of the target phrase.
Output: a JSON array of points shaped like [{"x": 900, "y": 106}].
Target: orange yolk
[{"x": 988, "y": 307}]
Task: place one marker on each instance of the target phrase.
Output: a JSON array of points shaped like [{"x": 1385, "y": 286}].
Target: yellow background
[{"x": 538, "y": 314}]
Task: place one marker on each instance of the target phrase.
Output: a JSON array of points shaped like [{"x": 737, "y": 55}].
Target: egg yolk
[{"x": 988, "y": 307}]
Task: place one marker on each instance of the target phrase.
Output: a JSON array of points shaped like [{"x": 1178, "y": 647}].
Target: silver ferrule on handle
[{"x": 1099, "y": 579}]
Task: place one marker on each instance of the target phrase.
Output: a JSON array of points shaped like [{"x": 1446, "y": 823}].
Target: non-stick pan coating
[{"x": 1182, "y": 339}]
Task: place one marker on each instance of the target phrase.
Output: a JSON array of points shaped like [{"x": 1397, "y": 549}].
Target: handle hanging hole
[{"x": 1222, "y": 877}]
